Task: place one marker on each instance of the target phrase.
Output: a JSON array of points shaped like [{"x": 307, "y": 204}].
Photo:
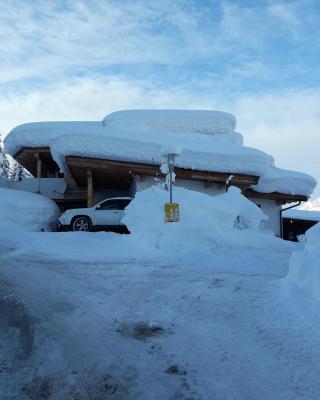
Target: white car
[{"x": 105, "y": 215}]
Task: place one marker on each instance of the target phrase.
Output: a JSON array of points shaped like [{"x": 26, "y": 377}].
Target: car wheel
[{"x": 81, "y": 224}]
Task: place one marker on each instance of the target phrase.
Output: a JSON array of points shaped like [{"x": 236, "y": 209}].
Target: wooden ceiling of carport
[
  {"x": 27, "y": 157},
  {"x": 119, "y": 174}
]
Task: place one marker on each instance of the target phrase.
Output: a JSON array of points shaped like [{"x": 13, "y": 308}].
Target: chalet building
[{"x": 78, "y": 164}]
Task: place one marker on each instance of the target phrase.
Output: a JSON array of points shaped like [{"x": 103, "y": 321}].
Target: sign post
[
  {"x": 172, "y": 212},
  {"x": 171, "y": 157},
  {"x": 171, "y": 209}
]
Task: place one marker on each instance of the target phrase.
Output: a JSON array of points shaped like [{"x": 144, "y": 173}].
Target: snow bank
[
  {"x": 303, "y": 280},
  {"x": 196, "y": 121},
  {"x": 24, "y": 211},
  {"x": 221, "y": 233},
  {"x": 200, "y": 214},
  {"x": 285, "y": 181}
]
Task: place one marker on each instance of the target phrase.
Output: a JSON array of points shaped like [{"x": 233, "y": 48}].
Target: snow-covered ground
[
  {"x": 192, "y": 310},
  {"x": 209, "y": 227},
  {"x": 117, "y": 330}
]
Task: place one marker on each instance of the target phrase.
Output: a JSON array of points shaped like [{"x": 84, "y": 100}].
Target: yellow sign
[{"x": 172, "y": 212}]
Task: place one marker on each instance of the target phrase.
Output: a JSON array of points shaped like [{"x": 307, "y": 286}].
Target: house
[
  {"x": 80, "y": 163},
  {"x": 297, "y": 222}
]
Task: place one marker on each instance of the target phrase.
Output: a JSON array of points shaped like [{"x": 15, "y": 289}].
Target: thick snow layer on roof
[
  {"x": 196, "y": 121},
  {"x": 40, "y": 134},
  {"x": 203, "y": 156},
  {"x": 285, "y": 181},
  {"x": 205, "y": 140},
  {"x": 302, "y": 214}
]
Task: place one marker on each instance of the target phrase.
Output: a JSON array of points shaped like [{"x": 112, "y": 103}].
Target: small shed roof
[{"x": 301, "y": 215}]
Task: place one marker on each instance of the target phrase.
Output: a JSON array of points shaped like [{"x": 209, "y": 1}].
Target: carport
[
  {"x": 38, "y": 161},
  {"x": 92, "y": 174}
]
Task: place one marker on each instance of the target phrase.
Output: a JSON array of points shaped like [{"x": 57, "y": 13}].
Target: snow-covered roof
[
  {"x": 285, "y": 181},
  {"x": 302, "y": 214},
  {"x": 192, "y": 155},
  {"x": 204, "y": 140},
  {"x": 40, "y": 134},
  {"x": 195, "y": 121}
]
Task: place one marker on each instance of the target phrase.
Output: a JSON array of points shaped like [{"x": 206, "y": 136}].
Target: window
[
  {"x": 119, "y": 204},
  {"x": 123, "y": 203},
  {"x": 110, "y": 205}
]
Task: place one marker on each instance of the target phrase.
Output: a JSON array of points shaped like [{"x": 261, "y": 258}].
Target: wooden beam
[
  {"x": 154, "y": 170},
  {"x": 127, "y": 167},
  {"x": 39, "y": 165},
  {"x": 33, "y": 150},
  {"x": 89, "y": 188},
  {"x": 281, "y": 198}
]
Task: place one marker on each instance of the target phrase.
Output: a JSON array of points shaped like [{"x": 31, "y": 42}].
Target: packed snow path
[{"x": 130, "y": 331}]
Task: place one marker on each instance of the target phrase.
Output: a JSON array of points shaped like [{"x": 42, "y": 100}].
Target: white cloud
[
  {"x": 44, "y": 38},
  {"x": 285, "y": 124},
  {"x": 91, "y": 98},
  {"x": 52, "y": 39}
]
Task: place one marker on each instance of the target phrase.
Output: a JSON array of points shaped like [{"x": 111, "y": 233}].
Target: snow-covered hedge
[
  {"x": 303, "y": 279},
  {"x": 26, "y": 211}
]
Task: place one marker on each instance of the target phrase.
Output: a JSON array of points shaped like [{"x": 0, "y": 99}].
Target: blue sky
[{"x": 84, "y": 59}]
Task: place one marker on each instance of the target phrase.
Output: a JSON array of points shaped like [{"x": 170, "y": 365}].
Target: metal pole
[{"x": 171, "y": 167}]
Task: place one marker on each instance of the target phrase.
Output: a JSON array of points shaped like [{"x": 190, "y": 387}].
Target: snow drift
[
  {"x": 219, "y": 232},
  {"x": 223, "y": 231},
  {"x": 303, "y": 280},
  {"x": 25, "y": 211},
  {"x": 200, "y": 214}
]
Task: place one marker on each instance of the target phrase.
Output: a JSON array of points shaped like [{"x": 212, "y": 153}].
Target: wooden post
[
  {"x": 39, "y": 165},
  {"x": 89, "y": 188}
]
